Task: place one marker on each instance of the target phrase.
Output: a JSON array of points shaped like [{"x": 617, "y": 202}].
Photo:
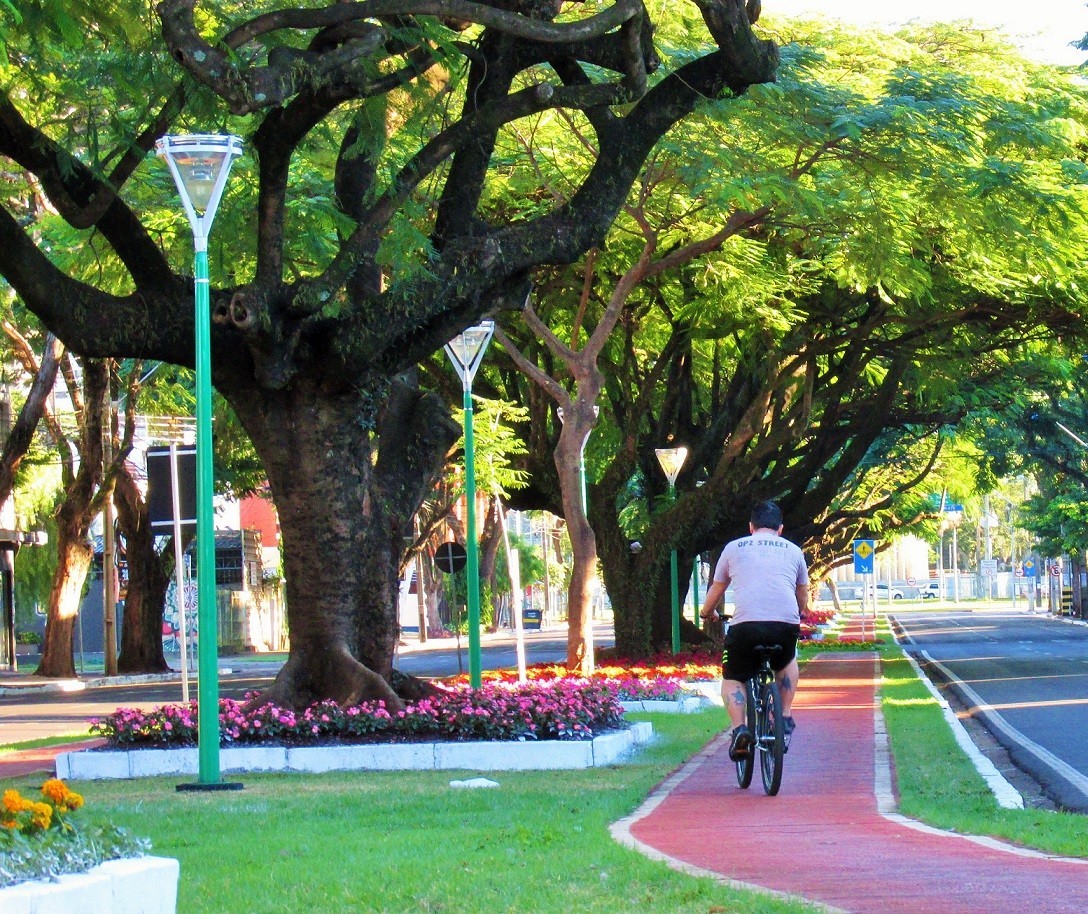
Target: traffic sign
[
  {"x": 864, "y": 551},
  {"x": 989, "y": 567},
  {"x": 450, "y": 557},
  {"x": 1029, "y": 568},
  {"x": 1056, "y": 570},
  {"x": 911, "y": 582}
]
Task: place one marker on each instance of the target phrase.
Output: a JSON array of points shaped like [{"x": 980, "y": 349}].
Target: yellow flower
[
  {"x": 13, "y": 802},
  {"x": 41, "y": 814},
  {"x": 55, "y": 790}
]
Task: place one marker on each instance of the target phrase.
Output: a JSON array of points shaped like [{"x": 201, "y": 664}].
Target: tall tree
[
  {"x": 392, "y": 114},
  {"x": 888, "y": 293}
]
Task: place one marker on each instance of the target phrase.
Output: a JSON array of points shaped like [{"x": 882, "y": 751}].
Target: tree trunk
[
  {"x": 74, "y": 549},
  {"x": 343, "y": 519},
  {"x": 74, "y": 557},
  {"x": 148, "y": 578},
  {"x": 583, "y": 543},
  {"x": 490, "y": 540}
]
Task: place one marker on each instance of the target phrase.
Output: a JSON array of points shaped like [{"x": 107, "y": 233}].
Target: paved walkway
[
  {"x": 39, "y": 761},
  {"x": 830, "y": 835}
]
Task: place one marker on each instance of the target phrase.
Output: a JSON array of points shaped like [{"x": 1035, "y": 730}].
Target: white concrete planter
[
  {"x": 141, "y": 885},
  {"x": 688, "y": 704},
  {"x": 87, "y": 765}
]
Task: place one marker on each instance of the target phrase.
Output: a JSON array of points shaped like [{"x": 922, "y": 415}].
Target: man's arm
[
  {"x": 714, "y": 594},
  {"x": 802, "y": 597}
]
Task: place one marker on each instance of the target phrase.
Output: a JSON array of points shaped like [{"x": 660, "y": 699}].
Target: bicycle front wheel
[
  {"x": 770, "y": 737},
  {"x": 747, "y": 765}
]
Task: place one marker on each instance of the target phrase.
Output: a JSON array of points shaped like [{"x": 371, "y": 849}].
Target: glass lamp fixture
[
  {"x": 671, "y": 460},
  {"x": 466, "y": 350},
  {"x": 200, "y": 164}
]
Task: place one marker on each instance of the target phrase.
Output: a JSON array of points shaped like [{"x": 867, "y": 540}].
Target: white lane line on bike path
[{"x": 621, "y": 832}]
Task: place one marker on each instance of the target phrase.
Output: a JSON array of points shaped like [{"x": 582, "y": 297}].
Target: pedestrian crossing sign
[{"x": 864, "y": 551}]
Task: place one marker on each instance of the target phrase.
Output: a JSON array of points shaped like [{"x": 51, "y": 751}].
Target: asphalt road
[
  {"x": 1025, "y": 677},
  {"x": 32, "y": 714}
]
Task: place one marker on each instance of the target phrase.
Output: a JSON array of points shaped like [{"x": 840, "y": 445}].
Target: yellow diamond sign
[{"x": 864, "y": 549}]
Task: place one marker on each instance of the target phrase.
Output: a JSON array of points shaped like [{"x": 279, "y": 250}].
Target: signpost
[
  {"x": 864, "y": 562},
  {"x": 451, "y": 558}
]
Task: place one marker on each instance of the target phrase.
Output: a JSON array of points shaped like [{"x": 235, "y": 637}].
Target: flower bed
[
  {"x": 43, "y": 839},
  {"x": 568, "y": 709},
  {"x": 661, "y": 678}
]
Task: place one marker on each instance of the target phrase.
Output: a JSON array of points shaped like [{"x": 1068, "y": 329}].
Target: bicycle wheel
[
  {"x": 771, "y": 737},
  {"x": 747, "y": 765}
]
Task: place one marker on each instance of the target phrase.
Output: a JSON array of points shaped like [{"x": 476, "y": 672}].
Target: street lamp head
[
  {"x": 671, "y": 460},
  {"x": 200, "y": 164},
  {"x": 466, "y": 350}
]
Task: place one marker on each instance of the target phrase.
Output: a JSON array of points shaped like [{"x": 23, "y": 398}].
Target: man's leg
[
  {"x": 733, "y": 696},
  {"x": 787, "y": 685}
]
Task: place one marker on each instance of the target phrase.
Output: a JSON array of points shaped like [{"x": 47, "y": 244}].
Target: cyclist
[{"x": 770, "y": 591}]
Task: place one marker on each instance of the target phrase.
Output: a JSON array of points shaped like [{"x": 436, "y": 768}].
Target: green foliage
[{"x": 495, "y": 442}]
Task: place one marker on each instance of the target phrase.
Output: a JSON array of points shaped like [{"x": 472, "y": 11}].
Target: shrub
[{"x": 42, "y": 839}]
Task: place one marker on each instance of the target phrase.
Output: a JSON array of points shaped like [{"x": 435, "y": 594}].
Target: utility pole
[{"x": 109, "y": 558}]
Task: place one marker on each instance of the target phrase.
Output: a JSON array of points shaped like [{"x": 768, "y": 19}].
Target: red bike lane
[{"x": 823, "y": 838}]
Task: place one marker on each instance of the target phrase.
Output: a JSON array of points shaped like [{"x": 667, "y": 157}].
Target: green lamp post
[
  {"x": 466, "y": 351},
  {"x": 200, "y": 165},
  {"x": 671, "y": 460}
]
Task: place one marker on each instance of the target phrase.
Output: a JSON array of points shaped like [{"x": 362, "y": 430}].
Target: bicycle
[{"x": 763, "y": 715}]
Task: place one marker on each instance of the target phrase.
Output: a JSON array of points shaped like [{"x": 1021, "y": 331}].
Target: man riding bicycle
[{"x": 770, "y": 591}]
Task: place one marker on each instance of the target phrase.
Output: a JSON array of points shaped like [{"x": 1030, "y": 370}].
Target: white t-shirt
[{"x": 765, "y": 570}]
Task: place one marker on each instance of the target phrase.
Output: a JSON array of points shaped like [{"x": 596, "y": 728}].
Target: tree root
[{"x": 334, "y": 675}]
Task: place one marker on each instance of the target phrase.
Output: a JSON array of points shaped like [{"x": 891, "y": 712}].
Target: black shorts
[{"x": 740, "y": 662}]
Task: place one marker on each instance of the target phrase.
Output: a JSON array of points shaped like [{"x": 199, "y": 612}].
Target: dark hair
[{"x": 766, "y": 515}]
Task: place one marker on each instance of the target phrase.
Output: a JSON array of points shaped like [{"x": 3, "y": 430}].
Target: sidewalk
[{"x": 831, "y": 835}]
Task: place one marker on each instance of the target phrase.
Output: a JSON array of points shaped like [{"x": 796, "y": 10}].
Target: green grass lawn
[
  {"x": 939, "y": 785},
  {"x": 46, "y": 741},
  {"x": 408, "y": 842}
]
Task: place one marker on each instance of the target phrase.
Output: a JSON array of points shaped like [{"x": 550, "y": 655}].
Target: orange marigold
[
  {"x": 55, "y": 790},
  {"x": 13, "y": 802}
]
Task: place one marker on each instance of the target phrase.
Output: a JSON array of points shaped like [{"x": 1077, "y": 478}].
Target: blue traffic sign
[
  {"x": 1029, "y": 568},
  {"x": 864, "y": 552}
]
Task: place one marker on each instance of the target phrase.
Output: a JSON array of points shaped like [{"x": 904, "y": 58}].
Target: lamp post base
[{"x": 220, "y": 785}]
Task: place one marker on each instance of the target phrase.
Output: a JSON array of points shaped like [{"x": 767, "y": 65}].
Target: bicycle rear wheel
[
  {"x": 747, "y": 765},
  {"x": 770, "y": 737}
]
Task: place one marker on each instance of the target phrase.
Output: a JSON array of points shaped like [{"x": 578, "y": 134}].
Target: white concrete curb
[
  {"x": 607, "y": 749},
  {"x": 688, "y": 704},
  {"x": 97, "y": 682},
  {"x": 140, "y": 885}
]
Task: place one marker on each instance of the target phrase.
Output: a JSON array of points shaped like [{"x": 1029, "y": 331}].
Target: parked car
[
  {"x": 931, "y": 591},
  {"x": 882, "y": 592}
]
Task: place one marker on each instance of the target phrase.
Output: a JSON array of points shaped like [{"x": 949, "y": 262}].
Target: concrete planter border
[
  {"x": 89, "y": 765},
  {"x": 140, "y": 885},
  {"x": 689, "y": 704}
]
